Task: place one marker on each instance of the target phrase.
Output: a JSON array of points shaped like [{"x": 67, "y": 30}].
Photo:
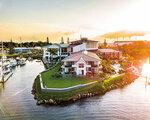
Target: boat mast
[
  {"x": 21, "y": 44},
  {"x": 2, "y": 62}
]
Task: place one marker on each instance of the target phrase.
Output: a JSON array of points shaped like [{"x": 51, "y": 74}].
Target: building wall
[
  {"x": 24, "y": 50},
  {"x": 92, "y": 45},
  {"x": 86, "y": 46},
  {"x": 59, "y": 52},
  {"x": 80, "y": 47},
  {"x": 46, "y": 54},
  {"x": 78, "y": 69}
]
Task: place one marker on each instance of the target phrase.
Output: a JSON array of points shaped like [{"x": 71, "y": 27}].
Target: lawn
[
  {"x": 51, "y": 79},
  {"x": 100, "y": 87}
]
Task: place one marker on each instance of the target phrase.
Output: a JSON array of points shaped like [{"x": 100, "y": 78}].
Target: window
[
  {"x": 88, "y": 69},
  {"x": 81, "y": 65}
]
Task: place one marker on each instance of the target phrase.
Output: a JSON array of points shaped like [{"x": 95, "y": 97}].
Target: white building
[
  {"x": 83, "y": 44},
  {"x": 81, "y": 63},
  {"x": 21, "y": 49},
  {"x": 54, "y": 51}
]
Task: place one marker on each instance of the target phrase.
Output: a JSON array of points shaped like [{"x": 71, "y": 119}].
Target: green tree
[
  {"x": 107, "y": 67},
  {"x": 10, "y": 46}
]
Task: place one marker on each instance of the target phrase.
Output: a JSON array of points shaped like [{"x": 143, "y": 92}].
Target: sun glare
[{"x": 146, "y": 70}]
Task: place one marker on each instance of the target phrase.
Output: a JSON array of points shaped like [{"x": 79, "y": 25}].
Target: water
[{"x": 17, "y": 102}]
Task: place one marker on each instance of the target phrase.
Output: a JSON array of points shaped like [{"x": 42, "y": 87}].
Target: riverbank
[{"x": 66, "y": 97}]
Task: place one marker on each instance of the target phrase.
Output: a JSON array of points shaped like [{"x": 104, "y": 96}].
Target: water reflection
[{"x": 17, "y": 103}]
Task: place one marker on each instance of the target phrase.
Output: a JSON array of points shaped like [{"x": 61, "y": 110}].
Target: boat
[
  {"x": 5, "y": 66},
  {"x": 5, "y": 71},
  {"x": 30, "y": 59},
  {"x": 13, "y": 63},
  {"x": 21, "y": 62},
  {"x": 38, "y": 60}
]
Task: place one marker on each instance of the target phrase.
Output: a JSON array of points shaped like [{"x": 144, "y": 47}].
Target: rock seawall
[{"x": 66, "y": 97}]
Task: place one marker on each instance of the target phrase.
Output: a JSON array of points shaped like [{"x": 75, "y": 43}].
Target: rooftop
[
  {"x": 83, "y": 40},
  {"x": 86, "y": 55},
  {"x": 56, "y": 45},
  {"x": 107, "y": 50}
]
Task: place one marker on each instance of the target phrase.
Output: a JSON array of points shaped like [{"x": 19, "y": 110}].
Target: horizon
[{"x": 34, "y": 20}]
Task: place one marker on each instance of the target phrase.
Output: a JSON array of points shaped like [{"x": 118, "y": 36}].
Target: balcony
[
  {"x": 68, "y": 65},
  {"x": 94, "y": 65}
]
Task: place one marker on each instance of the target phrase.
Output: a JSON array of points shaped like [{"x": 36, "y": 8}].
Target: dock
[{"x": 6, "y": 78}]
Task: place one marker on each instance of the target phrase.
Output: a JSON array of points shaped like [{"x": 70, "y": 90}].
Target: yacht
[{"x": 13, "y": 63}]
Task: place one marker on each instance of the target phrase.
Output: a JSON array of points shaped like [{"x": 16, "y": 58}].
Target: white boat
[
  {"x": 13, "y": 63},
  {"x": 21, "y": 62},
  {"x": 6, "y": 71},
  {"x": 30, "y": 58},
  {"x": 4, "y": 67}
]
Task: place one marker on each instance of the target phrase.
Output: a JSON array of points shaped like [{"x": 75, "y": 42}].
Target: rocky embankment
[{"x": 100, "y": 88}]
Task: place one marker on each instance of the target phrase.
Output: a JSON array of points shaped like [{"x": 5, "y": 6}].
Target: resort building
[
  {"x": 54, "y": 51},
  {"x": 21, "y": 50},
  {"x": 109, "y": 54},
  {"x": 83, "y": 44},
  {"x": 81, "y": 63}
]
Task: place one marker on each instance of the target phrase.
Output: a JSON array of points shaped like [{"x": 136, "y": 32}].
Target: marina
[
  {"x": 74, "y": 60},
  {"x": 17, "y": 102}
]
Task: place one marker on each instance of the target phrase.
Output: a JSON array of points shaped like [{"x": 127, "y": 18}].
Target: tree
[
  {"x": 107, "y": 67},
  {"x": 68, "y": 40},
  {"x": 47, "y": 40},
  {"x": 10, "y": 46},
  {"x": 53, "y": 51},
  {"x": 105, "y": 43},
  {"x": 62, "y": 40}
]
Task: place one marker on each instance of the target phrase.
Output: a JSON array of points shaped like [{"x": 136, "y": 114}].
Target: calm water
[{"x": 17, "y": 103}]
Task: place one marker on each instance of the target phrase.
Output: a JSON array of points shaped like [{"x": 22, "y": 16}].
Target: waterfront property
[
  {"x": 55, "y": 51},
  {"x": 81, "y": 63},
  {"x": 52, "y": 78},
  {"x": 81, "y": 57},
  {"x": 83, "y": 44},
  {"x": 55, "y": 91}
]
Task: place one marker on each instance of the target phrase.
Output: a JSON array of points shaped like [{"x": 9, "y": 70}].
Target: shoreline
[{"x": 65, "y": 98}]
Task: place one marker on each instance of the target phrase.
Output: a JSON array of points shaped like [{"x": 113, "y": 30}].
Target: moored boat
[
  {"x": 13, "y": 63},
  {"x": 21, "y": 62}
]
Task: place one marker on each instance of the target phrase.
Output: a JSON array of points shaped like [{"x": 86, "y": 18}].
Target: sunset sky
[{"x": 36, "y": 19}]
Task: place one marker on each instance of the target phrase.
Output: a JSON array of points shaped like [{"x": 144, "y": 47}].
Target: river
[{"x": 17, "y": 102}]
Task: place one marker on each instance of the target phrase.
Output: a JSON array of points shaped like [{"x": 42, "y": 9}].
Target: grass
[
  {"x": 52, "y": 79},
  {"x": 49, "y": 79},
  {"x": 10, "y": 55},
  {"x": 66, "y": 95},
  {"x": 100, "y": 87}
]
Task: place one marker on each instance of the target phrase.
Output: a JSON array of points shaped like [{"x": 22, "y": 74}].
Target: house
[
  {"x": 109, "y": 53},
  {"x": 55, "y": 51},
  {"x": 83, "y": 44},
  {"x": 81, "y": 63}
]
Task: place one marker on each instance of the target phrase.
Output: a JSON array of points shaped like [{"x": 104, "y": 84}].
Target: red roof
[{"x": 86, "y": 55}]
